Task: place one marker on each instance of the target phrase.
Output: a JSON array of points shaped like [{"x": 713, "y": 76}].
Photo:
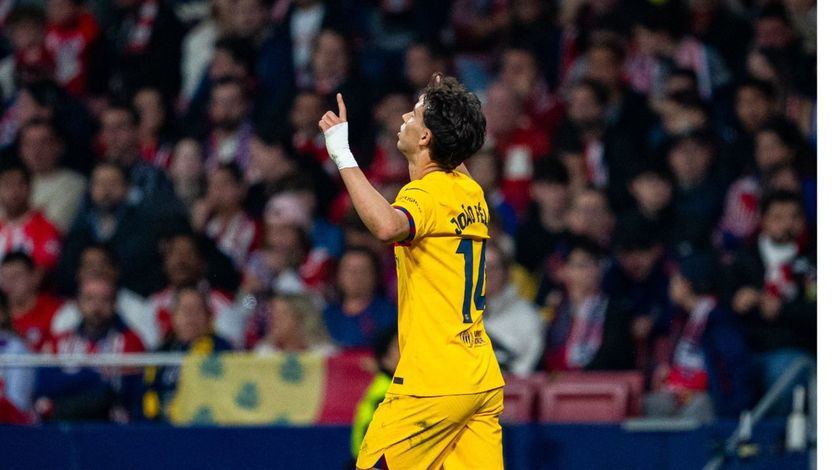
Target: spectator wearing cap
[
  {"x": 703, "y": 369},
  {"x": 638, "y": 280},
  {"x": 30, "y": 309},
  {"x": 515, "y": 328},
  {"x": 17, "y": 382},
  {"x": 697, "y": 198},
  {"x": 772, "y": 288},
  {"x": 98, "y": 261},
  {"x": 192, "y": 333},
  {"x": 110, "y": 218},
  {"x": 56, "y": 190},
  {"x": 220, "y": 214},
  {"x": 23, "y": 228},
  {"x": 518, "y": 142},
  {"x": 361, "y": 311},
  {"x": 71, "y": 394},
  {"x": 545, "y": 225},
  {"x": 587, "y": 330}
]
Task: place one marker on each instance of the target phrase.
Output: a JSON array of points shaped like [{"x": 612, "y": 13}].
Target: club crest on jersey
[
  {"x": 469, "y": 215},
  {"x": 472, "y": 339}
]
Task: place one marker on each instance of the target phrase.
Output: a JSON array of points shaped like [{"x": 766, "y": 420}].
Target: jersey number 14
[{"x": 466, "y": 248}]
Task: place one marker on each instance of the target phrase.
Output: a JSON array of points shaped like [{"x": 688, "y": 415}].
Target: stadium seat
[
  {"x": 519, "y": 396},
  {"x": 579, "y": 402},
  {"x": 633, "y": 379}
]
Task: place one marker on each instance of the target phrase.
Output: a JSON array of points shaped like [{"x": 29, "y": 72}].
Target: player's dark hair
[
  {"x": 456, "y": 121},
  {"x": 780, "y": 197},
  {"x": 19, "y": 257}
]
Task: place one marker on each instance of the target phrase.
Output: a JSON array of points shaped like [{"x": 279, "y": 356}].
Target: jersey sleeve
[{"x": 419, "y": 207}]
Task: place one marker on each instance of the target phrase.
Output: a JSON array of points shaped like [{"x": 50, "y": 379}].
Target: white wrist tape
[{"x": 336, "y": 139}]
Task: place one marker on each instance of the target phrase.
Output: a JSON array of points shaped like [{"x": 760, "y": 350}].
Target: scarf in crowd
[
  {"x": 586, "y": 332},
  {"x": 777, "y": 259},
  {"x": 688, "y": 371},
  {"x": 139, "y": 35}
]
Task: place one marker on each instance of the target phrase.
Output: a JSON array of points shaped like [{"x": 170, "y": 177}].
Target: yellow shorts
[{"x": 449, "y": 432}]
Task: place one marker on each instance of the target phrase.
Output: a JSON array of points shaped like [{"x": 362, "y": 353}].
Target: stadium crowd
[{"x": 164, "y": 186}]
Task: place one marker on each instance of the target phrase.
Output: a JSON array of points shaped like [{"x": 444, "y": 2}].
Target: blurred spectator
[
  {"x": 56, "y": 190},
  {"x": 308, "y": 140},
  {"x": 270, "y": 169},
  {"x": 777, "y": 144},
  {"x": 679, "y": 112},
  {"x": 717, "y": 25},
  {"x": 73, "y": 38},
  {"x": 485, "y": 168},
  {"x": 198, "y": 46},
  {"x": 755, "y": 105},
  {"x": 303, "y": 21},
  {"x": 589, "y": 215},
  {"x": 546, "y": 223},
  {"x": 30, "y": 309},
  {"x": 361, "y": 311},
  {"x": 706, "y": 371},
  {"x": 231, "y": 131},
  {"x": 588, "y": 331},
  {"x": 155, "y": 129},
  {"x": 30, "y": 60},
  {"x": 386, "y": 355},
  {"x": 150, "y": 189},
  {"x": 638, "y": 281},
  {"x": 662, "y": 44},
  {"x": 185, "y": 265},
  {"x": 772, "y": 289},
  {"x": 140, "y": 44},
  {"x": 73, "y": 394},
  {"x": 221, "y": 216},
  {"x": 520, "y": 71},
  {"x": 697, "y": 198},
  {"x": 422, "y": 59},
  {"x": 792, "y": 90},
  {"x": 607, "y": 151},
  {"x": 23, "y": 228},
  {"x": 514, "y": 326},
  {"x": 97, "y": 261},
  {"x": 516, "y": 140},
  {"x": 651, "y": 186},
  {"x": 110, "y": 218},
  {"x": 388, "y": 164},
  {"x": 191, "y": 322},
  {"x": 186, "y": 172},
  {"x": 294, "y": 325},
  {"x": 16, "y": 383}
]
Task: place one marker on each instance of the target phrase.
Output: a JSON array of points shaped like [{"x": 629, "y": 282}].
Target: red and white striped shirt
[{"x": 34, "y": 235}]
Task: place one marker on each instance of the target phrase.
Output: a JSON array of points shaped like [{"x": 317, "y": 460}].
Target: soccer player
[{"x": 443, "y": 405}]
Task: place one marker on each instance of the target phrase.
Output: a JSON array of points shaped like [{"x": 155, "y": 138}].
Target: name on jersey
[{"x": 469, "y": 215}]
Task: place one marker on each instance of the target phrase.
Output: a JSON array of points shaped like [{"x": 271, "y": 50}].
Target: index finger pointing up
[{"x": 343, "y": 114}]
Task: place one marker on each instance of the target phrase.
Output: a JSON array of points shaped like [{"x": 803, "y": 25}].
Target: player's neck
[{"x": 421, "y": 166}]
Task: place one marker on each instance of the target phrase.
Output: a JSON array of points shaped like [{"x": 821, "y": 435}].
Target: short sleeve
[{"x": 419, "y": 208}]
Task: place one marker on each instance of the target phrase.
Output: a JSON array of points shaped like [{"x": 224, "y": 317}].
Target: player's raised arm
[{"x": 384, "y": 222}]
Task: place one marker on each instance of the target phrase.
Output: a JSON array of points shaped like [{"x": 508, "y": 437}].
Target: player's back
[{"x": 443, "y": 345}]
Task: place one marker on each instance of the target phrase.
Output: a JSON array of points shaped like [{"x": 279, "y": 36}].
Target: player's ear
[{"x": 425, "y": 138}]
